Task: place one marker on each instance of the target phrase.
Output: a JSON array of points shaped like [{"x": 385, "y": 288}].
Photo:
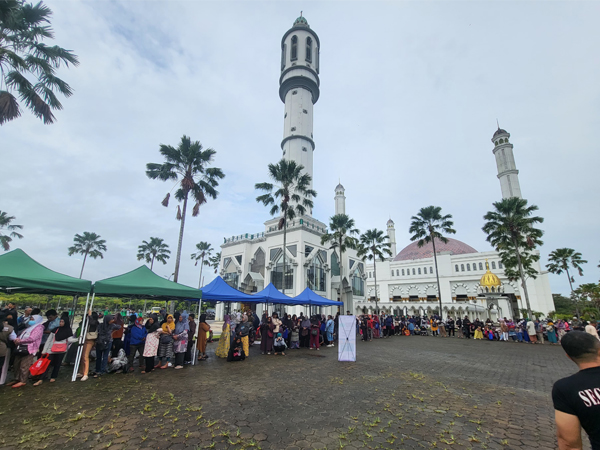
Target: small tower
[
  {"x": 507, "y": 169},
  {"x": 299, "y": 90},
  {"x": 392, "y": 235},
  {"x": 340, "y": 199}
]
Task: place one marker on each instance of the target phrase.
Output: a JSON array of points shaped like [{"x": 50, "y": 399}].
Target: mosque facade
[{"x": 472, "y": 283}]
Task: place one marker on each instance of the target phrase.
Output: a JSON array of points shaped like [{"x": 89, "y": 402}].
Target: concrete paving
[{"x": 403, "y": 392}]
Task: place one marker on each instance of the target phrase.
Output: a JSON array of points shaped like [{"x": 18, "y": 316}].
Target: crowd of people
[
  {"x": 39, "y": 348},
  {"x": 161, "y": 341}
]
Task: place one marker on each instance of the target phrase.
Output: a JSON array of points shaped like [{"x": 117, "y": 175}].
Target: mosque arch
[
  {"x": 294, "y": 51},
  {"x": 308, "y": 49}
]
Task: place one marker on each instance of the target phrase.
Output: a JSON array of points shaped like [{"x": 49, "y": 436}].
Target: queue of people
[{"x": 40, "y": 348}]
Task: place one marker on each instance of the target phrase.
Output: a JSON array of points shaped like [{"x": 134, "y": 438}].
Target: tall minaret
[
  {"x": 299, "y": 90},
  {"x": 507, "y": 169},
  {"x": 392, "y": 235},
  {"x": 340, "y": 199}
]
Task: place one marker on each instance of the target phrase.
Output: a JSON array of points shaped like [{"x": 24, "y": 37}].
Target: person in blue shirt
[{"x": 329, "y": 327}]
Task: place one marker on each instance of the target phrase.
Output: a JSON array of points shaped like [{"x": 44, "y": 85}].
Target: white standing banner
[{"x": 347, "y": 338}]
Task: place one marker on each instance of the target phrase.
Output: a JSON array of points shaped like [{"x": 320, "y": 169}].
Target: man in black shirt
[{"x": 577, "y": 398}]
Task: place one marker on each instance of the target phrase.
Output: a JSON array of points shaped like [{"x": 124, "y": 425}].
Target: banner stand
[{"x": 347, "y": 338}]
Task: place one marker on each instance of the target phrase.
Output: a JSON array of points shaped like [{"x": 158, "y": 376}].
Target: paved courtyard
[{"x": 402, "y": 393}]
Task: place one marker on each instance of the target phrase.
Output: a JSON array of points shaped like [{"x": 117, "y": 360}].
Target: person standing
[
  {"x": 12, "y": 315},
  {"x": 575, "y": 398},
  {"x": 7, "y": 334},
  {"x": 314, "y": 333},
  {"x": 329, "y": 329},
  {"x": 180, "y": 336},
  {"x": 56, "y": 349},
  {"x": 90, "y": 340},
  {"x": 590, "y": 328},
  {"x": 27, "y": 345},
  {"x": 503, "y": 330},
  {"x": 153, "y": 332},
  {"x": 450, "y": 326},
  {"x": 539, "y": 331},
  {"x": 459, "y": 327},
  {"x": 225, "y": 339},
  {"x": 203, "y": 329},
  {"x": 531, "y": 332},
  {"x": 266, "y": 332},
  {"x": 137, "y": 340},
  {"x": 165, "y": 348},
  {"x": 104, "y": 344},
  {"x": 191, "y": 337},
  {"x": 466, "y": 327},
  {"x": 117, "y": 336}
]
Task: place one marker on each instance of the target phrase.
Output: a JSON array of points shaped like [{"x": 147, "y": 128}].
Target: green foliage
[
  {"x": 215, "y": 261},
  {"x": 429, "y": 224},
  {"x": 560, "y": 259},
  {"x": 87, "y": 244},
  {"x": 563, "y": 305},
  {"x": 28, "y": 65},
  {"x": 156, "y": 249},
  {"x": 7, "y": 225},
  {"x": 341, "y": 235}
]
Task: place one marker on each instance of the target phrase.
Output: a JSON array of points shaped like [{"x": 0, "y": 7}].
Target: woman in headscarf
[
  {"x": 55, "y": 349},
  {"x": 27, "y": 345},
  {"x": 236, "y": 352},
  {"x": 304, "y": 331},
  {"x": 180, "y": 336},
  {"x": 137, "y": 340},
  {"x": 203, "y": 329},
  {"x": 104, "y": 344},
  {"x": 165, "y": 348},
  {"x": 225, "y": 339},
  {"x": 551, "y": 330},
  {"x": 266, "y": 341},
  {"x": 153, "y": 332},
  {"x": 243, "y": 331},
  {"x": 90, "y": 340},
  {"x": 191, "y": 335},
  {"x": 117, "y": 336}
]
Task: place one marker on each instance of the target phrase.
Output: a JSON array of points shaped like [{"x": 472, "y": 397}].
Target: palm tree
[
  {"x": 373, "y": 244},
  {"x": 341, "y": 237},
  {"x": 28, "y": 66},
  {"x": 289, "y": 195},
  {"x": 187, "y": 164},
  {"x": 511, "y": 230},
  {"x": 156, "y": 249},
  {"x": 204, "y": 251},
  {"x": 560, "y": 260},
  {"x": 88, "y": 244},
  {"x": 427, "y": 226},
  {"x": 215, "y": 261},
  {"x": 6, "y": 224}
]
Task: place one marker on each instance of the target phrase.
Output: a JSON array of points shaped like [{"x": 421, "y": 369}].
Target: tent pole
[
  {"x": 197, "y": 332},
  {"x": 81, "y": 343}
]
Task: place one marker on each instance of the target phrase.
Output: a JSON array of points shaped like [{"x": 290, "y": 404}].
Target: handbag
[
  {"x": 22, "y": 350},
  {"x": 59, "y": 347},
  {"x": 166, "y": 338},
  {"x": 91, "y": 336},
  {"x": 39, "y": 367}
]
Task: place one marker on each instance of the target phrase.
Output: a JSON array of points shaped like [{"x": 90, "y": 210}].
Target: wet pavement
[{"x": 403, "y": 392}]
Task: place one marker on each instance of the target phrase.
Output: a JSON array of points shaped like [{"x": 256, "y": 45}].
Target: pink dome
[{"x": 454, "y": 246}]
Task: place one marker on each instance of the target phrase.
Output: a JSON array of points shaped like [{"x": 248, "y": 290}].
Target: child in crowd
[
  {"x": 279, "y": 345},
  {"x": 236, "y": 351},
  {"x": 295, "y": 339}
]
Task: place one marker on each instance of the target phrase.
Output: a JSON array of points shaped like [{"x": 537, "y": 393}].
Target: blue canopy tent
[
  {"x": 270, "y": 294},
  {"x": 219, "y": 291},
  {"x": 309, "y": 297}
]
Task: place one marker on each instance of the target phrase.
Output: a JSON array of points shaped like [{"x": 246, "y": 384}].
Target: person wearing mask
[
  {"x": 180, "y": 336},
  {"x": 90, "y": 340},
  {"x": 165, "y": 349},
  {"x": 27, "y": 343},
  {"x": 203, "y": 329},
  {"x": 104, "y": 344},
  {"x": 50, "y": 325},
  {"x": 153, "y": 332},
  {"x": 191, "y": 336},
  {"x": 56, "y": 347},
  {"x": 137, "y": 341},
  {"x": 576, "y": 398}
]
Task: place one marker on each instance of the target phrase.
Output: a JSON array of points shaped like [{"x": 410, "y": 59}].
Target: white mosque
[{"x": 472, "y": 283}]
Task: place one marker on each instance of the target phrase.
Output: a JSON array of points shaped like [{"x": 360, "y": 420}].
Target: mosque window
[
  {"x": 496, "y": 142},
  {"x": 317, "y": 59},
  {"x": 315, "y": 275},
  {"x": 309, "y": 49},
  {"x": 304, "y": 149},
  {"x": 294, "y": 92},
  {"x": 398, "y": 273},
  {"x": 402, "y": 272},
  {"x": 493, "y": 264},
  {"x": 277, "y": 274},
  {"x": 392, "y": 273},
  {"x": 419, "y": 270},
  {"x": 335, "y": 265},
  {"x": 462, "y": 267},
  {"x": 468, "y": 267},
  {"x": 456, "y": 267},
  {"x": 480, "y": 266},
  {"x": 294, "y": 55},
  {"x": 424, "y": 270},
  {"x": 413, "y": 270},
  {"x": 305, "y": 111},
  {"x": 283, "y": 51},
  {"x": 500, "y": 265},
  {"x": 293, "y": 128},
  {"x": 430, "y": 269}
]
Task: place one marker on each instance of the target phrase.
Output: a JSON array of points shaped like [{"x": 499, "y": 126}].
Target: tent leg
[
  {"x": 81, "y": 343},
  {"x": 198, "y": 333}
]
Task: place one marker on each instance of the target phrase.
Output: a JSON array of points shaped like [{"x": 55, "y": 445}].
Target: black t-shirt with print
[{"x": 579, "y": 395}]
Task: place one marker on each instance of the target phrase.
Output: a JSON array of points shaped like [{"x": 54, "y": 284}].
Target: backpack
[{"x": 314, "y": 331}]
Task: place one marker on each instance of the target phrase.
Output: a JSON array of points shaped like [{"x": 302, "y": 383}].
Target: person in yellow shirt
[
  {"x": 434, "y": 326},
  {"x": 478, "y": 333}
]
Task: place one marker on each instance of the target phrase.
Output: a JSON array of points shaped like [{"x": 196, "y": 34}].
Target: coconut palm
[
  {"x": 427, "y": 226},
  {"x": 27, "y": 65},
  {"x": 341, "y": 236},
  {"x": 87, "y": 244},
  {"x": 10, "y": 233},
  {"x": 215, "y": 261},
  {"x": 289, "y": 195},
  {"x": 156, "y": 249},
  {"x": 188, "y": 165},
  {"x": 374, "y": 245},
  {"x": 203, "y": 255},
  {"x": 560, "y": 259},
  {"x": 511, "y": 230}
]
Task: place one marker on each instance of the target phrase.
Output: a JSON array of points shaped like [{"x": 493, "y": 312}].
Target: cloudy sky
[{"x": 410, "y": 94}]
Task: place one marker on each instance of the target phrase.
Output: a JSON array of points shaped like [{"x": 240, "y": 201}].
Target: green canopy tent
[
  {"x": 139, "y": 283},
  {"x": 21, "y": 274}
]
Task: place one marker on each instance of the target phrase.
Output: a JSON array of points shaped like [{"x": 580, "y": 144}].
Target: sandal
[
  {"x": 52, "y": 380},
  {"x": 37, "y": 383},
  {"x": 164, "y": 367}
]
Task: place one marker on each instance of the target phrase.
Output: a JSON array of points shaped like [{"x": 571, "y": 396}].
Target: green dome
[{"x": 301, "y": 21}]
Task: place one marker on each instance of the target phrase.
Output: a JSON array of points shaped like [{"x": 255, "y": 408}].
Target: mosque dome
[
  {"x": 498, "y": 132},
  {"x": 339, "y": 187},
  {"x": 301, "y": 22},
  {"x": 390, "y": 223},
  {"x": 413, "y": 251},
  {"x": 489, "y": 279}
]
